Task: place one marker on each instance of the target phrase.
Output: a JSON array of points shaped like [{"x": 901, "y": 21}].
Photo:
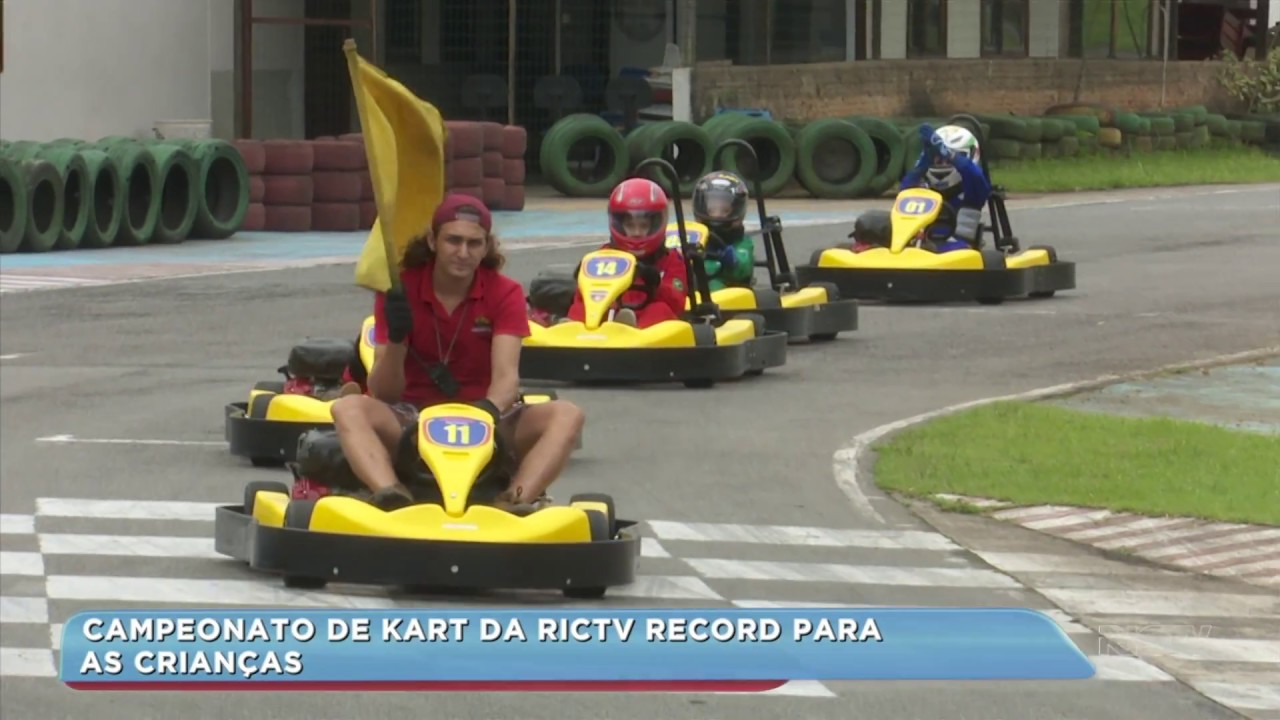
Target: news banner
[{"x": 728, "y": 650}]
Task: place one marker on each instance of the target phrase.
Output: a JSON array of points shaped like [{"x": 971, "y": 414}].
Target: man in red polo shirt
[{"x": 452, "y": 333}]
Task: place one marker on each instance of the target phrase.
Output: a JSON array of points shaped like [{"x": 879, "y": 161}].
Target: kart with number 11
[{"x": 268, "y": 427}]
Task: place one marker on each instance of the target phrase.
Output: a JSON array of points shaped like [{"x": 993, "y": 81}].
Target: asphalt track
[{"x": 1185, "y": 275}]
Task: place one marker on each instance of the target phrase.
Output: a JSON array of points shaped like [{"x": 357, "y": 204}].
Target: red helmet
[{"x": 638, "y": 216}]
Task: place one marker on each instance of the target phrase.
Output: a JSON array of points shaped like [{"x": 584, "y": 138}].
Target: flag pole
[{"x": 388, "y": 244}]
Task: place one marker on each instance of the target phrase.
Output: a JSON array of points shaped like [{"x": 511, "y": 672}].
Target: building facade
[{"x": 274, "y": 68}]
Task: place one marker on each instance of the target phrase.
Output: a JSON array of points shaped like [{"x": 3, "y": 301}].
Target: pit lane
[{"x": 1168, "y": 280}]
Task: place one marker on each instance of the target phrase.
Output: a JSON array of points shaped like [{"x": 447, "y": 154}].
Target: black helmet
[{"x": 720, "y": 200}]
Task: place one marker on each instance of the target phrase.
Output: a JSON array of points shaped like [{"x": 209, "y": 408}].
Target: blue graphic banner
[{"x": 425, "y": 646}]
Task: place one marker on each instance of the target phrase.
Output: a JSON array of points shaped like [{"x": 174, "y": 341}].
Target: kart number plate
[
  {"x": 457, "y": 432},
  {"x": 607, "y": 267},
  {"x": 916, "y": 206}
]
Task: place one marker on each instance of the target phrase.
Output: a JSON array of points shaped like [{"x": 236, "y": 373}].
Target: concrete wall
[
  {"x": 115, "y": 67},
  {"x": 939, "y": 87},
  {"x": 91, "y": 69}
]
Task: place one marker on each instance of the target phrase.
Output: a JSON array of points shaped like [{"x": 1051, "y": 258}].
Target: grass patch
[
  {"x": 1033, "y": 454},
  {"x": 1206, "y": 166}
]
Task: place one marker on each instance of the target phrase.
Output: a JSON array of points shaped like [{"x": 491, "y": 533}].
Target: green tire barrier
[
  {"x": 1081, "y": 123},
  {"x": 1253, "y": 131},
  {"x": 773, "y": 144},
  {"x": 140, "y": 189},
  {"x": 1004, "y": 149},
  {"x": 891, "y": 157},
  {"x": 636, "y": 144},
  {"x": 222, "y": 188},
  {"x": 44, "y": 204},
  {"x": 1032, "y": 150},
  {"x": 13, "y": 204},
  {"x": 835, "y": 159},
  {"x": 105, "y": 192},
  {"x": 582, "y": 155},
  {"x": 686, "y": 146},
  {"x": 179, "y": 200},
  {"x": 1069, "y": 146},
  {"x": 1050, "y": 130},
  {"x": 1162, "y": 125},
  {"x": 74, "y": 174}
]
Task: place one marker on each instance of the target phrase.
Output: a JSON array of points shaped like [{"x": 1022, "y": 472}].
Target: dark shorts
[{"x": 407, "y": 414}]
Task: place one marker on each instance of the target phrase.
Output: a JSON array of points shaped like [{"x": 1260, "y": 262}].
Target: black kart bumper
[
  {"x": 944, "y": 285},
  {"x": 818, "y": 322},
  {"x": 697, "y": 364},
  {"x": 265, "y": 442},
  {"x": 311, "y": 559}
]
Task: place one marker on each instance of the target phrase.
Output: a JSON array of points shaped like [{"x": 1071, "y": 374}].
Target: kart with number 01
[
  {"x": 899, "y": 264},
  {"x": 813, "y": 311},
  {"x": 699, "y": 349},
  {"x": 453, "y": 536}
]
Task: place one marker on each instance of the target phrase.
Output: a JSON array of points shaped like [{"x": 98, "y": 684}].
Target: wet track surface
[{"x": 735, "y": 484}]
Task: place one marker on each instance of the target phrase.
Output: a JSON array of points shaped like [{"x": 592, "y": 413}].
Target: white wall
[{"x": 91, "y": 69}]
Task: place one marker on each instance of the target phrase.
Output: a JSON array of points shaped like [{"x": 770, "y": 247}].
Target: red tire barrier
[
  {"x": 287, "y": 218},
  {"x": 288, "y": 157},
  {"x": 287, "y": 190},
  {"x": 336, "y": 187},
  {"x": 335, "y": 217}
]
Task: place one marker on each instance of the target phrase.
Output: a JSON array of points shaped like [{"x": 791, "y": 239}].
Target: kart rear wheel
[
  {"x": 700, "y": 383},
  {"x": 601, "y": 530},
  {"x": 252, "y": 489},
  {"x": 833, "y": 294}
]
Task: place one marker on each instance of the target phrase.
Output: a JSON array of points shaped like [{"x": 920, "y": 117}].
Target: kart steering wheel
[{"x": 650, "y": 289}]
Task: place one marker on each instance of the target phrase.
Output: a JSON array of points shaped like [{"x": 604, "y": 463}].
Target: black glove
[
  {"x": 399, "y": 316},
  {"x": 487, "y": 405}
]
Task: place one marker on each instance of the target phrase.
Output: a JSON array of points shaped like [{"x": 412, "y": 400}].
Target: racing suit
[
  {"x": 733, "y": 264},
  {"x": 664, "y": 272},
  {"x": 972, "y": 193}
]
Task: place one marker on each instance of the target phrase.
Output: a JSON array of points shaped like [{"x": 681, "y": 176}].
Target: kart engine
[{"x": 316, "y": 367}]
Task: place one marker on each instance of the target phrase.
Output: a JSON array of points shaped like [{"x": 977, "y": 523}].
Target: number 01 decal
[
  {"x": 457, "y": 432},
  {"x": 916, "y": 206}
]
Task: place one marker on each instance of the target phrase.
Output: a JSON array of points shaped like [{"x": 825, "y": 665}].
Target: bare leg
[
  {"x": 544, "y": 439},
  {"x": 368, "y": 430}
]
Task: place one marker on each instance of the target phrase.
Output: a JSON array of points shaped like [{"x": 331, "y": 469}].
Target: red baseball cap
[{"x": 459, "y": 206}]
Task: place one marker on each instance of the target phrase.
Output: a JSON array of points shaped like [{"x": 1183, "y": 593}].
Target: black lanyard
[{"x": 435, "y": 321}]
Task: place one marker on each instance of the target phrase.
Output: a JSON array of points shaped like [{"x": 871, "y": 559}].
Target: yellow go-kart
[
  {"x": 813, "y": 311},
  {"x": 267, "y": 427},
  {"x": 904, "y": 266},
  {"x": 698, "y": 350},
  {"x": 451, "y": 537}
]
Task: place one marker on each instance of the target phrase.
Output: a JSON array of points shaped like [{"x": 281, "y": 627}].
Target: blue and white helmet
[{"x": 942, "y": 175}]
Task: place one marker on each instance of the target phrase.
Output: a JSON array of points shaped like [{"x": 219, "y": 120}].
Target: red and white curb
[{"x": 1248, "y": 553}]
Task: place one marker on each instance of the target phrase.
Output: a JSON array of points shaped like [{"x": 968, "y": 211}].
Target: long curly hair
[{"x": 418, "y": 253}]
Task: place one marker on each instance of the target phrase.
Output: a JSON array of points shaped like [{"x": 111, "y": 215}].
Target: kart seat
[
  {"x": 321, "y": 359},
  {"x": 552, "y": 292}
]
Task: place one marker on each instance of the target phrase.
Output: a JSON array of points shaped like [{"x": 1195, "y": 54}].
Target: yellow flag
[{"x": 404, "y": 139}]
